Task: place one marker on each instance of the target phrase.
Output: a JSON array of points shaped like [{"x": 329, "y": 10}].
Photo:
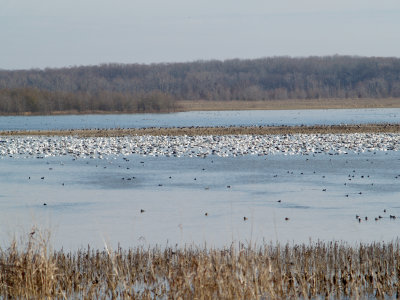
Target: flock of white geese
[{"x": 197, "y": 146}]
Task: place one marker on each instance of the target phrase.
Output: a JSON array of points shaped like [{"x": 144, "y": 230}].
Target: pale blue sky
[{"x": 58, "y": 33}]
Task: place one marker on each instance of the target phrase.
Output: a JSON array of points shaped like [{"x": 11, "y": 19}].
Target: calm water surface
[
  {"x": 91, "y": 201},
  {"x": 202, "y": 118},
  {"x": 98, "y": 201}
]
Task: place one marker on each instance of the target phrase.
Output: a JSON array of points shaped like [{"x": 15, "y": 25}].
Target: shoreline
[
  {"x": 288, "y": 104},
  {"x": 230, "y": 105},
  {"x": 196, "y": 131}
]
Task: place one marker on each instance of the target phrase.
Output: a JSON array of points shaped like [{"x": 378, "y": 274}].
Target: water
[
  {"x": 88, "y": 202},
  {"x": 203, "y": 118},
  {"x": 99, "y": 201}
]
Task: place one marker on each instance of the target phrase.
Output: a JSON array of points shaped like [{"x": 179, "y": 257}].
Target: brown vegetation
[
  {"x": 318, "y": 270},
  {"x": 32, "y": 101},
  {"x": 202, "y": 105},
  {"x": 139, "y": 88},
  {"x": 233, "y": 130}
]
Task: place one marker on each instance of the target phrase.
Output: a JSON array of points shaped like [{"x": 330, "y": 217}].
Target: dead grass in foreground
[
  {"x": 330, "y": 270},
  {"x": 233, "y": 130}
]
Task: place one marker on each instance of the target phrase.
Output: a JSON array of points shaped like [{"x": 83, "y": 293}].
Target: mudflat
[{"x": 232, "y": 130}]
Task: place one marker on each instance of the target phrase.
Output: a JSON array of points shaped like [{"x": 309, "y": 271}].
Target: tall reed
[{"x": 329, "y": 270}]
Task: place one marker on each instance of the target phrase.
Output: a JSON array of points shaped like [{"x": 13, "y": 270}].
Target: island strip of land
[{"x": 195, "y": 131}]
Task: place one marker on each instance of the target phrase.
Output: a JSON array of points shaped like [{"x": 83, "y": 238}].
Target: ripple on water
[{"x": 95, "y": 205}]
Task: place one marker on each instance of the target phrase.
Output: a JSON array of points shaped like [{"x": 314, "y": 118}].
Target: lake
[
  {"x": 141, "y": 200},
  {"x": 98, "y": 201},
  {"x": 204, "y": 118}
]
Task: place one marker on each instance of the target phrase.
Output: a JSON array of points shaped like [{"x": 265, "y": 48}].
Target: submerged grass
[{"x": 319, "y": 270}]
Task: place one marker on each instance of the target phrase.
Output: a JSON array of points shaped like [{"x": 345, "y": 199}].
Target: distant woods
[
  {"x": 41, "y": 101},
  {"x": 156, "y": 87}
]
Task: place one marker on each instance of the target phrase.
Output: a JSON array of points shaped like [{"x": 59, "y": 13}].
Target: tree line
[
  {"x": 39, "y": 101},
  {"x": 156, "y": 87}
]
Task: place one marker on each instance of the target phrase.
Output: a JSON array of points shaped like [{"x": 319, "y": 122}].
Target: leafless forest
[{"x": 157, "y": 87}]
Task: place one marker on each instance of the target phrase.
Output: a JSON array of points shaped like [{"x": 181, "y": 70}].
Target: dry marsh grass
[
  {"x": 232, "y": 130},
  {"x": 203, "y": 105},
  {"x": 331, "y": 270},
  {"x": 223, "y": 105}
]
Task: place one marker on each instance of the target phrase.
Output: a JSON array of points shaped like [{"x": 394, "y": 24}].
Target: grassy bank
[
  {"x": 233, "y": 130},
  {"x": 219, "y": 105},
  {"x": 327, "y": 270},
  {"x": 288, "y": 104}
]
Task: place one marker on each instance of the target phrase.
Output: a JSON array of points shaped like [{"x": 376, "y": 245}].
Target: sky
[{"x": 63, "y": 33}]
